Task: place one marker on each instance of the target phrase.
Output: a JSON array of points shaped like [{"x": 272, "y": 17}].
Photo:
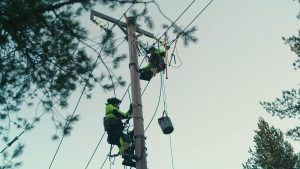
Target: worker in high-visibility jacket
[
  {"x": 114, "y": 127},
  {"x": 156, "y": 64}
]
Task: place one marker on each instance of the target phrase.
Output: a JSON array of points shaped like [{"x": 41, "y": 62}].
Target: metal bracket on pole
[
  {"x": 118, "y": 22},
  {"x": 123, "y": 30}
]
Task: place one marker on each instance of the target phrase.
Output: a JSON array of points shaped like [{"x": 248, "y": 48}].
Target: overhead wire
[
  {"x": 192, "y": 21},
  {"x": 124, "y": 39},
  {"x": 99, "y": 43},
  {"x": 98, "y": 57},
  {"x": 87, "y": 165},
  {"x": 28, "y": 127},
  {"x": 106, "y": 67},
  {"x": 175, "y": 21},
  {"x": 104, "y": 162},
  {"x": 36, "y": 118},
  {"x": 198, "y": 15},
  {"x": 67, "y": 125},
  {"x": 176, "y": 39}
]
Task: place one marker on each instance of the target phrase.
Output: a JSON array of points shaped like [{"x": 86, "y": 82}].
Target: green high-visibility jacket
[
  {"x": 113, "y": 112},
  {"x": 160, "y": 52}
]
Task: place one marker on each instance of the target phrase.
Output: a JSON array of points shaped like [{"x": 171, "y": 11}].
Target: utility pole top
[
  {"x": 131, "y": 20},
  {"x": 119, "y": 23}
]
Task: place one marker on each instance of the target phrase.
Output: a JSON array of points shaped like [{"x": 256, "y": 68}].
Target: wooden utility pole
[{"x": 138, "y": 120}]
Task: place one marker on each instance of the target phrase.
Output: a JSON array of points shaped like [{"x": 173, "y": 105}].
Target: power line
[
  {"x": 198, "y": 15},
  {"x": 124, "y": 39},
  {"x": 176, "y": 20},
  {"x": 99, "y": 43},
  {"x": 94, "y": 151},
  {"x": 68, "y": 122},
  {"x": 67, "y": 125},
  {"x": 104, "y": 162},
  {"x": 191, "y": 22},
  {"x": 106, "y": 67},
  {"x": 28, "y": 127}
]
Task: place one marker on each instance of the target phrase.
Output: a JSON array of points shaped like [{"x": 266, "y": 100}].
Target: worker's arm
[{"x": 122, "y": 115}]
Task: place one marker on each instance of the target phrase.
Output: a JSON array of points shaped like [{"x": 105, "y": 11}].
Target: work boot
[
  {"x": 146, "y": 74},
  {"x": 129, "y": 163},
  {"x": 128, "y": 160}
]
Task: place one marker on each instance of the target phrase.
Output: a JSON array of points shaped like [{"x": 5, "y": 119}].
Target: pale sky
[{"x": 213, "y": 99}]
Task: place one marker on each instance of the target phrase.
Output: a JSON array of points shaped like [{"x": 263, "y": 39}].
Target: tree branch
[{"x": 59, "y": 5}]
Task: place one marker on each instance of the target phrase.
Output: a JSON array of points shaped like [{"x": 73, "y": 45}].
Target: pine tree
[
  {"x": 271, "y": 150},
  {"x": 288, "y": 105}
]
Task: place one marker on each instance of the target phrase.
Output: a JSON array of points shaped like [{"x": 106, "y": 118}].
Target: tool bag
[{"x": 165, "y": 124}]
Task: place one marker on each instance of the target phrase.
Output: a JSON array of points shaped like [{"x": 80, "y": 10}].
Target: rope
[
  {"x": 164, "y": 97},
  {"x": 160, "y": 91},
  {"x": 171, "y": 148},
  {"x": 180, "y": 64},
  {"x": 172, "y": 54},
  {"x": 94, "y": 151}
]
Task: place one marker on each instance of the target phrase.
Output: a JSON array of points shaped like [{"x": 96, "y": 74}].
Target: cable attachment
[
  {"x": 139, "y": 158},
  {"x": 10, "y": 143},
  {"x": 133, "y": 64},
  {"x": 140, "y": 136},
  {"x": 165, "y": 123},
  {"x": 113, "y": 155},
  {"x": 172, "y": 54},
  {"x": 172, "y": 58}
]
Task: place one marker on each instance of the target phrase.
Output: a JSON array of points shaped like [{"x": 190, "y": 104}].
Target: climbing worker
[
  {"x": 114, "y": 127},
  {"x": 156, "y": 64}
]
